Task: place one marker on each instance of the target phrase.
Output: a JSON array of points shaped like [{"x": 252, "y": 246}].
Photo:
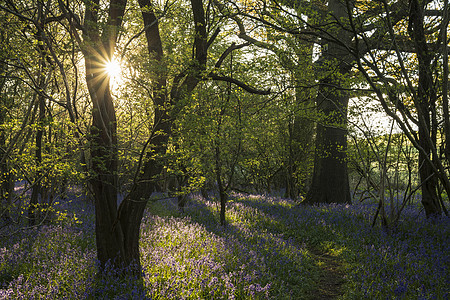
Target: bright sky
[{"x": 370, "y": 116}]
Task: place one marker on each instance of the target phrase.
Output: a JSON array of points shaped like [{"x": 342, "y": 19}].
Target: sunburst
[{"x": 113, "y": 69}]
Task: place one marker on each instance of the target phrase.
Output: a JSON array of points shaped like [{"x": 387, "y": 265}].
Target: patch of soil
[{"x": 331, "y": 278}]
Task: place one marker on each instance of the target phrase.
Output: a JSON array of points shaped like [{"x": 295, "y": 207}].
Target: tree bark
[
  {"x": 5, "y": 172},
  {"x": 33, "y": 211},
  {"x": 99, "y": 48},
  {"x": 104, "y": 158},
  {"x": 445, "y": 81},
  {"x": 132, "y": 208},
  {"x": 330, "y": 176},
  {"x": 426, "y": 105},
  {"x": 218, "y": 170}
]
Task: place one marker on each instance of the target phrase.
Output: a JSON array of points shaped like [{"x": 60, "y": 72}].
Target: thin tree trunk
[
  {"x": 132, "y": 209},
  {"x": 222, "y": 194},
  {"x": 5, "y": 173},
  {"x": 37, "y": 186},
  {"x": 291, "y": 187},
  {"x": 445, "y": 80}
]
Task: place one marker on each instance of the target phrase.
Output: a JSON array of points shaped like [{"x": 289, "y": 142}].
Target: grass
[{"x": 272, "y": 248}]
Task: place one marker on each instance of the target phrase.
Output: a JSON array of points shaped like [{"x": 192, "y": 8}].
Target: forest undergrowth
[{"x": 271, "y": 248}]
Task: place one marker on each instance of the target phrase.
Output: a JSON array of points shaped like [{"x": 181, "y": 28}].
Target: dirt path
[{"x": 331, "y": 278}]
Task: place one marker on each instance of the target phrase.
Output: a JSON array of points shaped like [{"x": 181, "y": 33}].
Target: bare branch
[{"x": 240, "y": 84}]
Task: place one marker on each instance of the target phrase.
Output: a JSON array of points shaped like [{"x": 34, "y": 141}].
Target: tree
[
  {"x": 330, "y": 178},
  {"x": 425, "y": 100},
  {"x": 41, "y": 86},
  {"x": 169, "y": 104},
  {"x": 117, "y": 229},
  {"x": 407, "y": 90},
  {"x": 29, "y": 68},
  {"x": 98, "y": 44},
  {"x": 293, "y": 49},
  {"x": 6, "y": 186},
  {"x": 340, "y": 36}
]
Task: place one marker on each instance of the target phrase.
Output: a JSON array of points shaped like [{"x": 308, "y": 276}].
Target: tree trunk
[
  {"x": 426, "y": 107},
  {"x": 6, "y": 187},
  {"x": 99, "y": 48},
  {"x": 33, "y": 211},
  {"x": 117, "y": 231},
  {"x": 445, "y": 81},
  {"x": 330, "y": 176},
  {"x": 104, "y": 156},
  {"x": 291, "y": 184},
  {"x": 132, "y": 208},
  {"x": 223, "y": 201},
  {"x": 181, "y": 180},
  {"x": 222, "y": 193}
]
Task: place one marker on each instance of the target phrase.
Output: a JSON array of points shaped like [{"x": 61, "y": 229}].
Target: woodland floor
[
  {"x": 331, "y": 279},
  {"x": 272, "y": 248}
]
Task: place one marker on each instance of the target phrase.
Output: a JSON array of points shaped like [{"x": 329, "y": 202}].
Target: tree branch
[
  {"x": 240, "y": 84},
  {"x": 228, "y": 51}
]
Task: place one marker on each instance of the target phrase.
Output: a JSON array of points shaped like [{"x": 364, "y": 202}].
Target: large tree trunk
[
  {"x": 104, "y": 158},
  {"x": 330, "y": 177},
  {"x": 117, "y": 231},
  {"x": 98, "y": 49}
]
